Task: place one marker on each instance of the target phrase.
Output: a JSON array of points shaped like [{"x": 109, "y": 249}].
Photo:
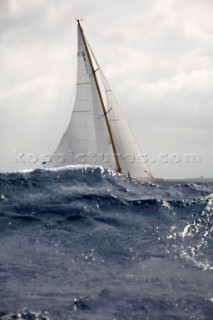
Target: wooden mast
[{"x": 101, "y": 100}]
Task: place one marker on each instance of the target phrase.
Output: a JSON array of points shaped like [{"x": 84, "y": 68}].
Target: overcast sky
[{"x": 156, "y": 54}]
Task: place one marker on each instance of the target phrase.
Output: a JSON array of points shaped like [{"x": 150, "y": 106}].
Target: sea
[{"x": 81, "y": 243}]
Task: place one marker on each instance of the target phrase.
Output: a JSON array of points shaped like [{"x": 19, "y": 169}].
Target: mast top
[{"x": 78, "y": 21}]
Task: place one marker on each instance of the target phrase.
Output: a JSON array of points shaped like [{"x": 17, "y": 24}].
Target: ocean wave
[{"x": 85, "y": 243}]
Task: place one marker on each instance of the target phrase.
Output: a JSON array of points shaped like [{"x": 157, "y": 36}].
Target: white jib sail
[{"x": 130, "y": 157}]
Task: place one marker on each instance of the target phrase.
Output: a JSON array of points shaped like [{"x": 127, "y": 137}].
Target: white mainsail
[
  {"x": 86, "y": 139},
  {"x": 97, "y": 133}
]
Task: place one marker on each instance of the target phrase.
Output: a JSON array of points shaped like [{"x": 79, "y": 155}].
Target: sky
[{"x": 156, "y": 54}]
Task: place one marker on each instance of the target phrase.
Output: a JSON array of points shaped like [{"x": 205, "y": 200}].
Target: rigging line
[
  {"x": 101, "y": 99},
  {"x": 105, "y": 113},
  {"x": 108, "y": 110}
]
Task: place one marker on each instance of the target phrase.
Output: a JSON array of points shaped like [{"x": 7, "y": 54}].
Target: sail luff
[{"x": 101, "y": 99}]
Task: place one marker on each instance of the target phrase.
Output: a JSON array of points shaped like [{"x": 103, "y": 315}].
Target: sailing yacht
[{"x": 98, "y": 133}]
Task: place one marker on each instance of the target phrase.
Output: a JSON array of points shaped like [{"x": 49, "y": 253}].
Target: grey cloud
[{"x": 157, "y": 56}]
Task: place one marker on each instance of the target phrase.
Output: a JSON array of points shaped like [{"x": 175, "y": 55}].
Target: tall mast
[{"x": 101, "y": 100}]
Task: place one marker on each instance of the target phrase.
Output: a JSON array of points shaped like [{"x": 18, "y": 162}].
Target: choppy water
[{"x": 86, "y": 244}]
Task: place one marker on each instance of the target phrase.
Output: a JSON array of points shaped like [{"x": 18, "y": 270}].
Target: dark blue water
[{"x": 86, "y": 244}]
